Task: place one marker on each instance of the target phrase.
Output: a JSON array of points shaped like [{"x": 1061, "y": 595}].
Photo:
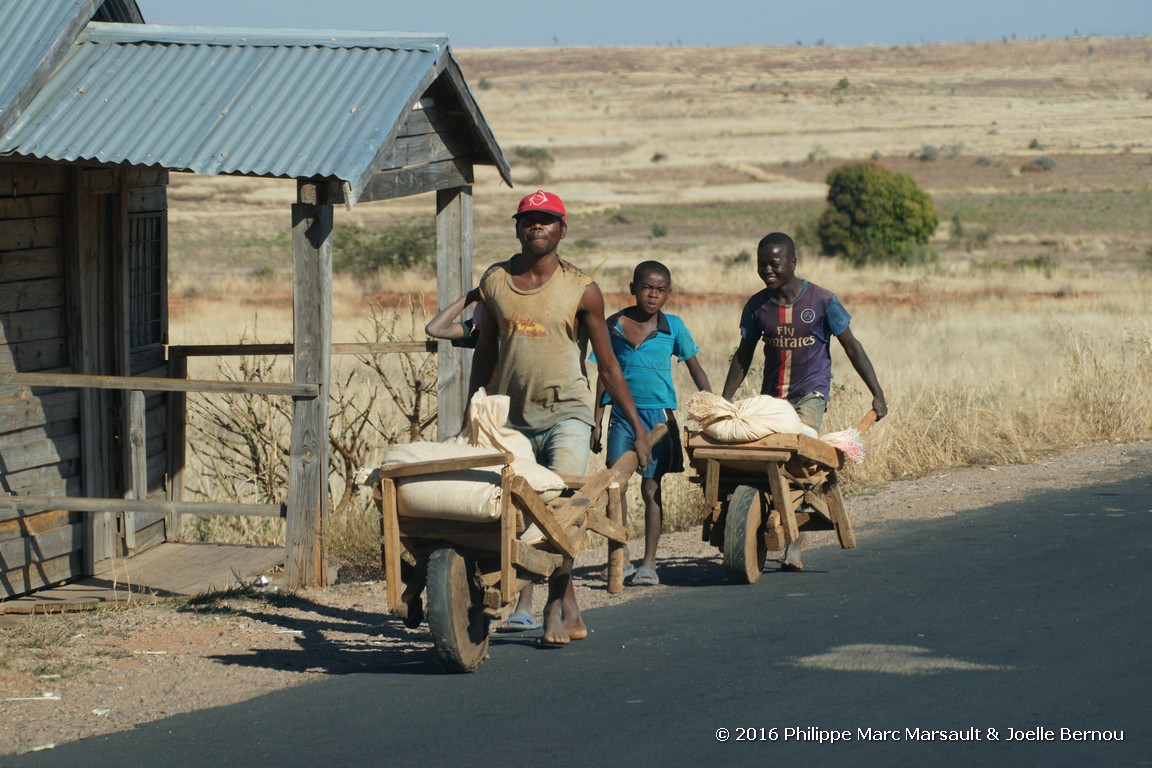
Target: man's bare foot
[
  {"x": 555, "y": 630},
  {"x": 791, "y": 561},
  {"x": 576, "y": 629}
]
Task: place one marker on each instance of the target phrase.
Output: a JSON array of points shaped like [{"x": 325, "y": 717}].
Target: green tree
[{"x": 875, "y": 215}]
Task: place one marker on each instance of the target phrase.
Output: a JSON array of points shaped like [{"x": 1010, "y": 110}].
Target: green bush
[
  {"x": 410, "y": 245},
  {"x": 875, "y": 215}
]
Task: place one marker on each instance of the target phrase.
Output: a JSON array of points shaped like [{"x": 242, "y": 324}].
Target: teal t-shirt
[{"x": 648, "y": 367}]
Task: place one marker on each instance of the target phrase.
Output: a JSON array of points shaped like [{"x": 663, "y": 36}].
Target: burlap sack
[
  {"x": 487, "y": 428},
  {"x": 469, "y": 495},
  {"x": 744, "y": 420}
]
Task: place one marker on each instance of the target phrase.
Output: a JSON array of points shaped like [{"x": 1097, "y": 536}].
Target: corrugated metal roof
[
  {"x": 288, "y": 103},
  {"x": 31, "y": 32}
]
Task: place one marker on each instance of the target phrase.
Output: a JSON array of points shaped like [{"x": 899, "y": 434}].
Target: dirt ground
[{"x": 80, "y": 675}]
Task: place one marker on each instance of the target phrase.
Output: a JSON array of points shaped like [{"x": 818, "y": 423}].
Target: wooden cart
[
  {"x": 472, "y": 572},
  {"x": 758, "y": 496}
]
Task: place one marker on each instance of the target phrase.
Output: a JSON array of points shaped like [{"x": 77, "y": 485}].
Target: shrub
[
  {"x": 538, "y": 159},
  {"x": 875, "y": 215},
  {"x": 928, "y": 154},
  {"x": 364, "y": 252},
  {"x": 659, "y": 230},
  {"x": 1041, "y": 164}
]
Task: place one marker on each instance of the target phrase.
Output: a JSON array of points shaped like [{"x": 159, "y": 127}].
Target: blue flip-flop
[
  {"x": 645, "y": 577},
  {"x": 518, "y": 622}
]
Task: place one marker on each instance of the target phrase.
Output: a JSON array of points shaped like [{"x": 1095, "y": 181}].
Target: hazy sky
[{"x": 507, "y": 23}]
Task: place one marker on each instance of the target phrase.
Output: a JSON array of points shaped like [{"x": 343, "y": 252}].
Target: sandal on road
[
  {"x": 629, "y": 571},
  {"x": 518, "y": 622},
  {"x": 645, "y": 577}
]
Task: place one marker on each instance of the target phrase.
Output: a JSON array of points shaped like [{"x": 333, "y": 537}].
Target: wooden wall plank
[
  {"x": 28, "y": 264},
  {"x": 61, "y": 479},
  {"x": 33, "y": 325},
  {"x": 30, "y": 207},
  {"x": 26, "y": 410},
  {"x": 408, "y": 151},
  {"x": 403, "y": 182},
  {"x": 37, "y": 523},
  {"x": 23, "y": 580},
  {"x": 19, "y": 179},
  {"x": 39, "y": 447},
  {"x": 149, "y": 531},
  {"x": 144, "y": 199},
  {"x": 42, "y": 232},
  {"x": 33, "y": 355},
  {"x": 16, "y": 553},
  {"x": 27, "y": 295}
]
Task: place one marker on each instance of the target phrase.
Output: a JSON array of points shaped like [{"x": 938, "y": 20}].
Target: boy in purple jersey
[{"x": 796, "y": 320}]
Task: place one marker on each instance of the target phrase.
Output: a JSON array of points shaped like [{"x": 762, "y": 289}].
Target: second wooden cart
[{"x": 759, "y": 496}]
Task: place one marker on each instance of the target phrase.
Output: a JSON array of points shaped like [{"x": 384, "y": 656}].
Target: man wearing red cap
[{"x": 540, "y": 311}]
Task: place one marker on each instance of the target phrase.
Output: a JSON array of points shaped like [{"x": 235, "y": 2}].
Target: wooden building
[{"x": 96, "y": 109}]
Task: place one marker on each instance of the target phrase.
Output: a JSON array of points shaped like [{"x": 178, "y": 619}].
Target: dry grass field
[{"x": 1032, "y": 332}]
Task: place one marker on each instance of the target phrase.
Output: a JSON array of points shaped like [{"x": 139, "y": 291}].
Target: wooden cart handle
[{"x": 866, "y": 422}]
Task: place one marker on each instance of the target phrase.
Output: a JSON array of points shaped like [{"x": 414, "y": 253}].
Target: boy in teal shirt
[{"x": 645, "y": 339}]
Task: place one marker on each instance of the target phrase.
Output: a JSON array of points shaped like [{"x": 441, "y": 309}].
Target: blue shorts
[
  {"x": 666, "y": 454},
  {"x": 564, "y": 448}
]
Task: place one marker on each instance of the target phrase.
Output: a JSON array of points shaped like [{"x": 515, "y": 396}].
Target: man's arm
[
  {"x": 443, "y": 324},
  {"x": 699, "y": 378},
  {"x": 741, "y": 361},
  {"x": 859, "y": 358},
  {"x": 591, "y": 314},
  {"x": 598, "y": 417}
]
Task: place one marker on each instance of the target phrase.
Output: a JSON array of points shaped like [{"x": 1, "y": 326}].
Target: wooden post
[
  {"x": 177, "y": 441},
  {"x": 615, "y": 549},
  {"x": 86, "y": 239},
  {"x": 453, "y": 278},
  {"x": 136, "y": 459},
  {"x": 390, "y": 529},
  {"x": 305, "y": 561},
  {"x": 507, "y": 537}
]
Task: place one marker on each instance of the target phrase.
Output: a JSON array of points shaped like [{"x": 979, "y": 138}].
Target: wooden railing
[{"x": 179, "y": 385}]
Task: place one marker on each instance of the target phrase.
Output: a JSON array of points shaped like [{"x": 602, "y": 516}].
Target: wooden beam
[
  {"x": 11, "y": 506},
  {"x": 436, "y": 466},
  {"x": 341, "y": 348},
  {"x": 453, "y": 279},
  {"x": 305, "y": 559},
  {"x": 404, "y": 182},
  {"x": 149, "y": 384}
]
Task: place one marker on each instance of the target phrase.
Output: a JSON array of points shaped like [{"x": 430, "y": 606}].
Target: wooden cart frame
[
  {"x": 472, "y": 572},
  {"x": 759, "y": 496}
]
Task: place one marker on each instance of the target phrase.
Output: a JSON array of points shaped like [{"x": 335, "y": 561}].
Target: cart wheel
[
  {"x": 744, "y": 546},
  {"x": 456, "y": 610}
]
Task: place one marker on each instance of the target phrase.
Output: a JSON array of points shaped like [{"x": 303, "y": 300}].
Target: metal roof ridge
[{"x": 162, "y": 34}]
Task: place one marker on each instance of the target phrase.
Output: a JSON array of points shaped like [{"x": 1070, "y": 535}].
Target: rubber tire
[
  {"x": 455, "y": 610},
  {"x": 744, "y": 548}
]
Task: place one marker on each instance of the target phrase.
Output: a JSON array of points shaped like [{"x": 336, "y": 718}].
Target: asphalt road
[{"x": 996, "y": 637}]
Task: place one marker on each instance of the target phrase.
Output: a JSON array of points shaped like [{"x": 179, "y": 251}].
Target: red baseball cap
[{"x": 544, "y": 202}]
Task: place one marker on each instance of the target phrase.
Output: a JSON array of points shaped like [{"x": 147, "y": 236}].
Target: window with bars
[{"x": 146, "y": 279}]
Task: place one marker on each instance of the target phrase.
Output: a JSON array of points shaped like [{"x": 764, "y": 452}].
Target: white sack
[{"x": 743, "y": 421}]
